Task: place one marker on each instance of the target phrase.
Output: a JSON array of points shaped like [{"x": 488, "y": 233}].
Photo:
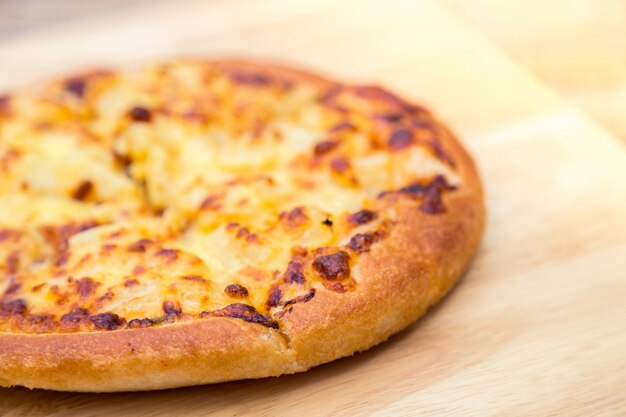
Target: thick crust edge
[{"x": 192, "y": 353}]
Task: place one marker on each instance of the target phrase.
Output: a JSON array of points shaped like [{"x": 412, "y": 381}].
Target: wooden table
[
  {"x": 537, "y": 327},
  {"x": 578, "y": 47}
]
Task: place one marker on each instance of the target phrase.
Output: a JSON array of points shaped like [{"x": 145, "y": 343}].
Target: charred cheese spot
[
  {"x": 294, "y": 273},
  {"x": 5, "y": 105},
  {"x": 294, "y": 218},
  {"x": 140, "y": 246},
  {"x": 430, "y": 193},
  {"x": 15, "y": 307},
  {"x": 432, "y": 203},
  {"x": 140, "y": 323},
  {"x": 362, "y": 217},
  {"x": 210, "y": 203},
  {"x": 274, "y": 297},
  {"x": 390, "y": 117},
  {"x": 361, "y": 242},
  {"x": 333, "y": 266},
  {"x": 12, "y": 288},
  {"x": 131, "y": 282},
  {"x": 325, "y": 146},
  {"x": 194, "y": 278},
  {"x": 169, "y": 254},
  {"x": 236, "y": 291},
  {"x": 245, "y": 312},
  {"x": 76, "y": 86},
  {"x": 12, "y": 263},
  {"x": 250, "y": 78},
  {"x": 438, "y": 183},
  {"x": 140, "y": 114},
  {"x": 342, "y": 127},
  {"x": 82, "y": 191},
  {"x": 107, "y": 248},
  {"x": 72, "y": 320},
  {"x": 75, "y": 315},
  {"x": 107, "y": 321},
  {"x": 172, "y": 308},
  {"x": 300, "y": 299},
  {"x": 139, "y": 269},
  {"x": 86, "y": 287},
  {"x": 400, "y": 139},
  {"x": 42, "y": 323},
  {"x": 340, "y": 164},
  {"x": 36, "y": 288}
]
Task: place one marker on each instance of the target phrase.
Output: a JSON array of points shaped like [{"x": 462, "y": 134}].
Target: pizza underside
[{"x": 192, "y": 222}]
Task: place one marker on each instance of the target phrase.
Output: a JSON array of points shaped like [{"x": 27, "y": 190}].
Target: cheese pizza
[{"x": 191, "y": 222}]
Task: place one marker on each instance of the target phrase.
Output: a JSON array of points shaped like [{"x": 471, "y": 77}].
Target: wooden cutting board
[{"x": 538, "y": 325}]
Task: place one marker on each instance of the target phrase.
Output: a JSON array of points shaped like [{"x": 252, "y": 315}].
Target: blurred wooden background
[
  {"x": 18, "y": 16},
  {"x": 576, "y": 46}
]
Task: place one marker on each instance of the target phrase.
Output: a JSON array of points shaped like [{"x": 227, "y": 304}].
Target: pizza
[{"x": 190, "y": 222}]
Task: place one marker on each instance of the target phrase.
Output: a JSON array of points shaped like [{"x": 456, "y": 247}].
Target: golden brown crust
[
  {"x": 198, "y": 352},
  {"x": 399, "y": 278}
]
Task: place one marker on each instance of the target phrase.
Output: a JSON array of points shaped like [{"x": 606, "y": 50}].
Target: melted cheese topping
[{"x": 160, "y": 193}]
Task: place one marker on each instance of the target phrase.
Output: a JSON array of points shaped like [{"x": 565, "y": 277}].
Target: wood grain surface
[
  {"x": 578, "y": 47},
  {"x": 537, "y": 326}
]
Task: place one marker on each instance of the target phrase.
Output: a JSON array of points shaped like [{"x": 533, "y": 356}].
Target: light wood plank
[{"x": 578, "y": 47}]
